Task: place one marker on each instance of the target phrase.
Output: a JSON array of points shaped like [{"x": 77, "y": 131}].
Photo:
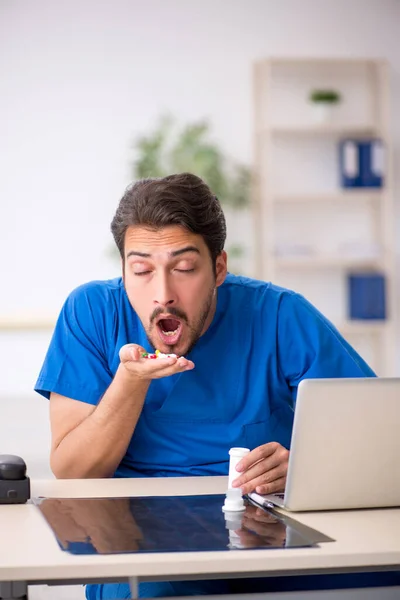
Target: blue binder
[
  {"x": 349, "y": 161},
  {"x": 367, "y": 296},
  {"x": 362, "y": 163},
  {"x": 372, "y": 163}
]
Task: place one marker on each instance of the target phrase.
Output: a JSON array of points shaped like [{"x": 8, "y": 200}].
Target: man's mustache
[{"x": 172, "y": 312}]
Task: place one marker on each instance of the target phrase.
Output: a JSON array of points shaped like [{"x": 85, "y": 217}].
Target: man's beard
[{"x": 195, "y": 330}]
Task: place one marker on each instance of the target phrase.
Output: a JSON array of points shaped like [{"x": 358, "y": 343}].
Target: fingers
[
  {"x": 144, "y": 368},
  {"x": 263, "y": 470},
  {"x": 267, "y": 483},
  {"x": 259, "y": 453},
  {"x": 164, "y": 367},
  {"x": 257, "y": 470},
  {"x": 278, "y": 485},
  {"x": 130, "y": 352}
]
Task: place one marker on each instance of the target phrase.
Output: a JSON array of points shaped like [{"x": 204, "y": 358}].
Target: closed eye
[
  {"x": 184, "y": 270},
  {"x": 142, "y": 273}
]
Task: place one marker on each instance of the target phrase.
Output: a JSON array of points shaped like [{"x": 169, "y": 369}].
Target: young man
[{"x": 242, "y": 347}]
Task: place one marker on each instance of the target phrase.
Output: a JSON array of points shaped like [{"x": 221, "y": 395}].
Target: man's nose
[{"x": 164, "y": 294}]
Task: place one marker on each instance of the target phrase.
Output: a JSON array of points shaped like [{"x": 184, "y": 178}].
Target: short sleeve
[
  {"x": 310, "y": 347},
  {"x": 76, "y": 363}
]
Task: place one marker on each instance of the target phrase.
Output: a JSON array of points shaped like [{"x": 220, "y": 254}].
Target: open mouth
[{"x": 169, "y": 330}]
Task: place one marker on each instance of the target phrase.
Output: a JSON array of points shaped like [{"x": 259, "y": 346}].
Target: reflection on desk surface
[{"x": 164, "y": 524}]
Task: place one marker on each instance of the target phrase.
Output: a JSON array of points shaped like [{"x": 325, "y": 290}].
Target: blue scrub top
[{"x": 262, "y": 341}]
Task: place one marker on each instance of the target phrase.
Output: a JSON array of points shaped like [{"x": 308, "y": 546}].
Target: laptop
[{"x": 345, "y": 448}]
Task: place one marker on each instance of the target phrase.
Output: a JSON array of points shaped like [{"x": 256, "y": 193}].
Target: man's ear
[{"x": 221, "y": 268}]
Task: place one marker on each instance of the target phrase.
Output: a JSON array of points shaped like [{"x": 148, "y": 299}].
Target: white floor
[{"x": 48, "y": 592}]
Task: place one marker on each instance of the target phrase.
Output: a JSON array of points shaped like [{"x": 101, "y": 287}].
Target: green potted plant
[
  {"x": 323, "y": 102},
  {"x": 170, "y": 148}
]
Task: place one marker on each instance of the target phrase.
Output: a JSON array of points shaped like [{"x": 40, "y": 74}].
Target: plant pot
[{"x": 322, "y": 112}]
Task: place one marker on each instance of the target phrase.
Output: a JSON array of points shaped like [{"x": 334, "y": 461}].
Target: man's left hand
[{"x": 263, "y": 470}]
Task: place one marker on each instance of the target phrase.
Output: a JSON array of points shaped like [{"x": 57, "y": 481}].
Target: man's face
[{"x": 170, "y": 283}]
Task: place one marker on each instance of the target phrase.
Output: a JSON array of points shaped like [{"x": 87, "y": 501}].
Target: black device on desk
[{"x": 15, "y": 486}]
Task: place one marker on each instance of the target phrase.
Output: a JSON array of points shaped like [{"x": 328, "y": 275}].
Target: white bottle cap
[
  {"x": 233, "y": 500},
  {"x": 239, "y": 452}
]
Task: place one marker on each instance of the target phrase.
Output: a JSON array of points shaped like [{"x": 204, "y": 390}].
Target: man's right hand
[
  {"x": 147, "y": 368},
  {"x": 91, "y": 441}
]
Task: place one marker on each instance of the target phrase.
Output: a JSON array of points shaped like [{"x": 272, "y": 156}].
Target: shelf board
[
  {"x": 27, "y": 323},
  {"x": 325, "y": 129},
  {"x": 363, "y": 326},
  {"x": 323, "y": 61},
  {"x": 311, "y": 262},
  {"x": 359, "y": 195}
]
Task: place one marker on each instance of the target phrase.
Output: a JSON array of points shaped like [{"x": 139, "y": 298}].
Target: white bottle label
[{"x": 350, "y": 159}]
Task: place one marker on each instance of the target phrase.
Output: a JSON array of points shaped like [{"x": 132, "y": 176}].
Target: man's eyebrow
[
  {"x": 184, "y": 250},
  {"x": 173, "y": 254},
  {"x": 136, "y": 253}
]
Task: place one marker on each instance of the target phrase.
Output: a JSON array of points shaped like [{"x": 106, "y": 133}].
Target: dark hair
[{"x": 182, "y": 199}]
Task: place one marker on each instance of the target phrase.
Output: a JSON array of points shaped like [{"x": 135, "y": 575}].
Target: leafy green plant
[
  {"x": 325, "y": 95},
  {"x": 169, "y": 149}
]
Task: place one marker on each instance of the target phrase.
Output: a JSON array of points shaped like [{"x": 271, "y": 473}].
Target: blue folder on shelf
[
  {"x": 361, "y": 163},
  {"x": 372, "y": 163},
  {"x": 367, "y": 296},
  {"x": 349, "y": 162}
]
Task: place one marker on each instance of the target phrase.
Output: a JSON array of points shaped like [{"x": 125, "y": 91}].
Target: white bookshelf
[
  {"x": 321, "y": 130},
  {"x": 361, "y": 327},
  {"x": 311, "y": 233},
  {"x": 329, "y": 262},
  {"x": 27, "y": 323},
  {"x": 336, "y": 197}
]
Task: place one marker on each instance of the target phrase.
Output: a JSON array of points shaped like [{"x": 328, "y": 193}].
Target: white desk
[{"x": 29, "y": 553}]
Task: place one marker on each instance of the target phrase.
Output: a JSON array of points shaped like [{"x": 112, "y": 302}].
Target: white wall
[{"x": 80, "y": 80}]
